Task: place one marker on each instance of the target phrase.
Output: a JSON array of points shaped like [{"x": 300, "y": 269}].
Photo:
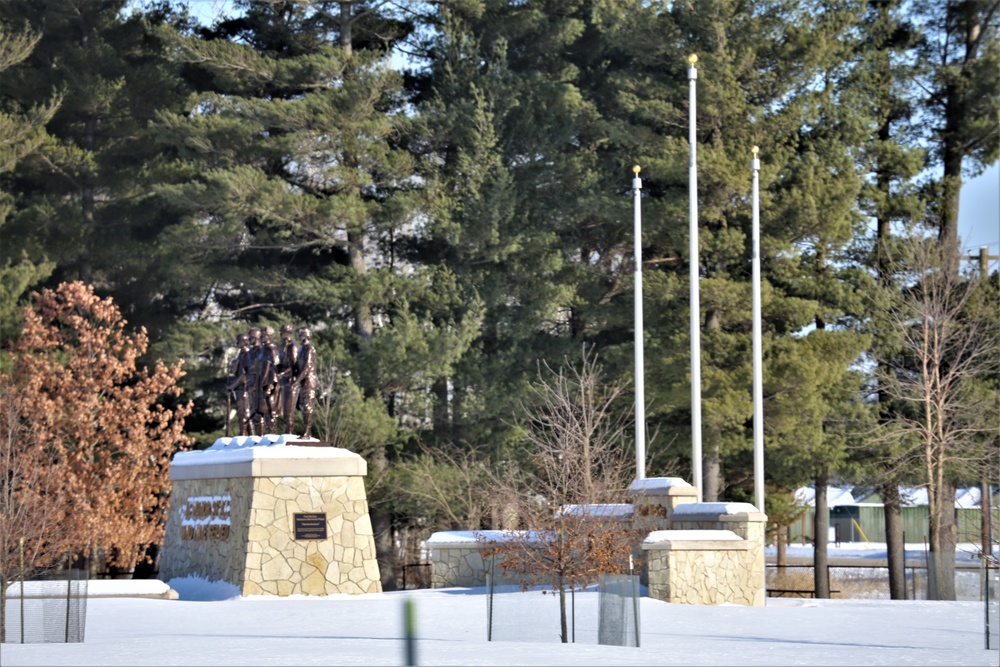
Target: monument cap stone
[{"x": 267, "y": 456}]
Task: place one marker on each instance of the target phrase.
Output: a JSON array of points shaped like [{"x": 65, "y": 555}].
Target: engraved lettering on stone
[{"x": 206, "y": 517}]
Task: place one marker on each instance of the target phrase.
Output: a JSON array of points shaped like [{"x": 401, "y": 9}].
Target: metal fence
[
  {"x": 866, "y": 522},
  {"x": 618, "y": 610},
  {"x": 52, "y": 610},
  {"x": 416, "y": 575},
  {"x": 991, "y": 602},
  {"x": 605, "y": 613},
  {"x": 863, "y": 581}
]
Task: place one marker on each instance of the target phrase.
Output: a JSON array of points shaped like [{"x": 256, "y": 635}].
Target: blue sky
[{"x": 979, "y": 213}]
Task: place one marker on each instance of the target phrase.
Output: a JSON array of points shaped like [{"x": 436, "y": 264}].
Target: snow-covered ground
[{"x": 211, "y": 625}]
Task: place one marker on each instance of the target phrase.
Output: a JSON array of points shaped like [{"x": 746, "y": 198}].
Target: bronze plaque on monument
[{"x": 310, "y": 525}]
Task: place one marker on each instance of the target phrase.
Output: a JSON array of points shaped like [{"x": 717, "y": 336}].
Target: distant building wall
[{"x": 871, "y": 522}]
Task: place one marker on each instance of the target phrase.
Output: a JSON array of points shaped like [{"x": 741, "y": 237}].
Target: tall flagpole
[
  {"x": 640, "y": 399},
  {"x": 693, "y": 278},
  {"x": 758, "y": 390}
]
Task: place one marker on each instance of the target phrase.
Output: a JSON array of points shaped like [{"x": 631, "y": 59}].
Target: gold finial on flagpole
[{"x": 692, "y": 59}]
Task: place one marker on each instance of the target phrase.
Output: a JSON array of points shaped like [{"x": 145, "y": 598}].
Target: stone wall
[
  {"x": 455, "y": 558},
  {"x": 743, "y": 520},
  {"x": 698, "y": 553},
  {"x": 279, "y": 565},
  {"x": 656, "y": 498},
  {"x": 233, "y": 518},
  {"x": 700, "y": 567}
]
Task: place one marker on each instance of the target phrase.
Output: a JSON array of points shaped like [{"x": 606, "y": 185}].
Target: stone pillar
[
  {"x": 701, "y": 567},
  {"x": 272, "y": 518},
  {"x": 742, "y": 519},
  {"x": 654, "y": 500},
  {"x": 658, "y": 497}
]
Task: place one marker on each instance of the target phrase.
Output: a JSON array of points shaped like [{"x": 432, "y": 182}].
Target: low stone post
[
  {"x": 743, "y": 519},
  {"x": 654, "y": 500},
  {"x": 700, "y": 567}
]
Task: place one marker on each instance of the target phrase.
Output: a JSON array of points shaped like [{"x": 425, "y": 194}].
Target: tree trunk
[
  {"x": 92, "y": 564},
  {"x": 945, "y": 558},
  {"x": 889, "y": 490},
  {"x": 87, "y": 206},
  {"x": 957, "y": 119},
  {"x": 563, "y": 627},
  {"x": 346, "y": 25},
  {"x": 3, "y": 606},
  {"x": 895, "y": 548},
  {"x": 382, "y": 528},
  {"x": 933, "y": 546},
  {"x": 439, "y": 413},
  {"x": 364, "y": 325},
  {"x": 821, "y": 530},
  {"x": 711, "y": 467}
]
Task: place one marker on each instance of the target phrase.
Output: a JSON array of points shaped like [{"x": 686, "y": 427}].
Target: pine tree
[
  {"x": 298, "y": 196},
  {"x": 960, "y": 54},
  {"x": 752, "y": 90},
  {"x": 880, "y": 85},
  {"x": 22, "y": 124},
  {"x": 84, "y": 201},
  {"x": 495, "y": 94}
]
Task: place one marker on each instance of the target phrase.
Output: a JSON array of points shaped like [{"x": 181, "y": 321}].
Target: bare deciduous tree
[
  {"x": 945, "y": 347},
  {"x": 565, "y": 500},
  {"x": 448, "y": 489}
]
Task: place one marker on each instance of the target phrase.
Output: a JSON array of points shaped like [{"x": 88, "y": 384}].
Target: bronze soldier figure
[
  {"x": 237, "y": 385},
  {"x": 288, "y": 389},
  {"x": 269, "y": 403},
  {"x": 253, "y": 381},
  {"x": 306, "y": 380}
]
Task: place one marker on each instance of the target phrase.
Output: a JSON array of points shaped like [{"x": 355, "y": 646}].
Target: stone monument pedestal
[{"x": 272, "y": 518}]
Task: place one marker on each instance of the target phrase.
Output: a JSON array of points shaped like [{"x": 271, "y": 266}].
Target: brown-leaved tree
[
  {"x": 31, "y": 503},
  {"x": 98, "y": 430}
]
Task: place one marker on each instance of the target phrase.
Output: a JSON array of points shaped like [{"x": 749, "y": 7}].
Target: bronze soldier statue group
[{"x": 269, "y": 382}]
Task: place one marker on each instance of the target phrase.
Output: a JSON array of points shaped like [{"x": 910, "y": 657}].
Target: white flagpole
[
  {"x": 640, "y": 399},
  {"x": 693, "y": 278},
  {"x": 758, "y": 391}
]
